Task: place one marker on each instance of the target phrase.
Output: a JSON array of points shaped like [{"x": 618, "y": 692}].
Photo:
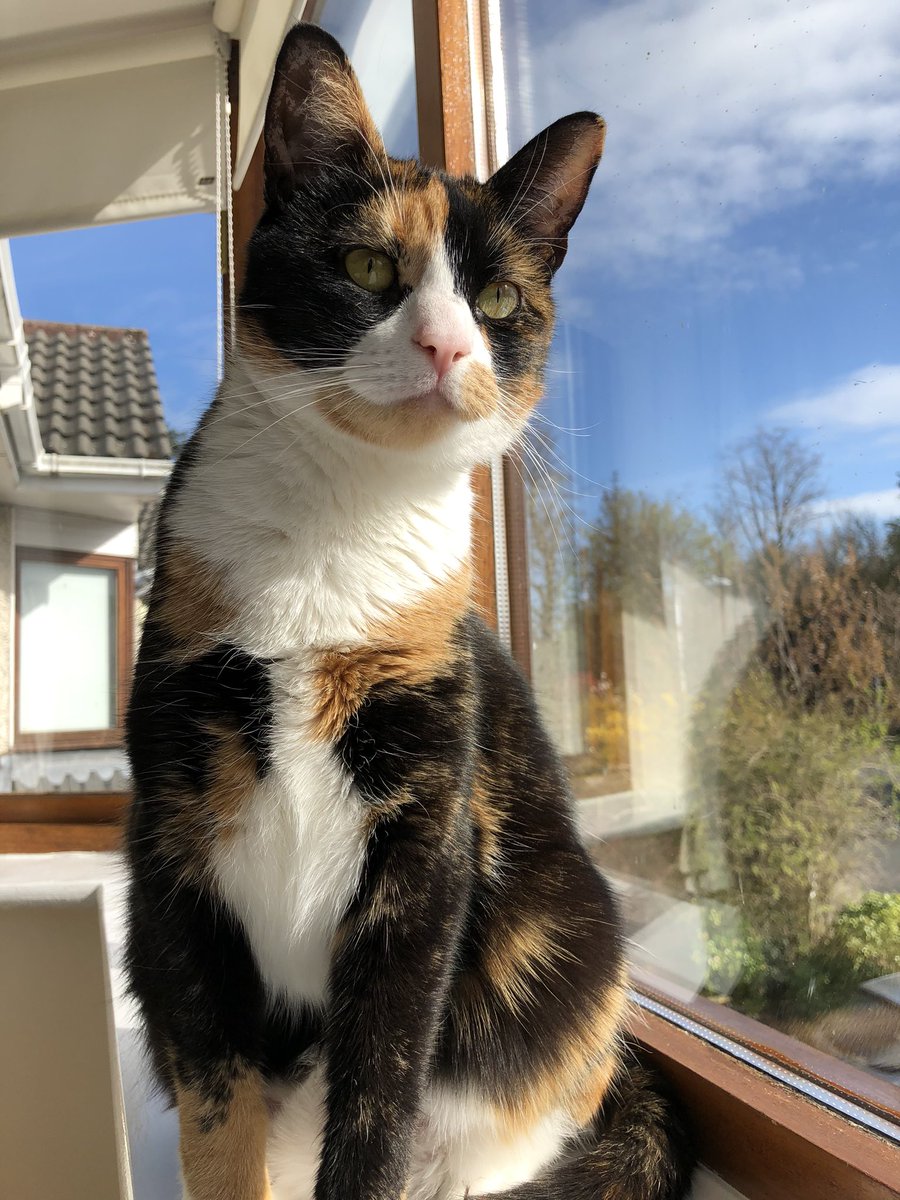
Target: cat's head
[{"x": 404, "y": 308}]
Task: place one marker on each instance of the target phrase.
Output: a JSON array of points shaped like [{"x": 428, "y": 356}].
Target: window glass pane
[
  {"x": 713, "y": 509},
  {"x": 67, "y": 663},
  {"x": 378, "y": 39}
]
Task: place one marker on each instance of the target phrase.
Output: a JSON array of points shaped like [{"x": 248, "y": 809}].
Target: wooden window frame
[
  {"x": 768, "y": 1138},
  {"x": 88, "y": 739}
]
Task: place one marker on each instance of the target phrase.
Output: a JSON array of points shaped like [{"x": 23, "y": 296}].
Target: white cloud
[
  {"x": 719, "y": 113},
  {"x": 868, "y": 398},
  {"x": 884, "y": 504}
]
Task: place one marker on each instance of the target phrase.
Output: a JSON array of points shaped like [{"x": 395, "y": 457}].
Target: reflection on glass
[{"x": 713, "y": 509}]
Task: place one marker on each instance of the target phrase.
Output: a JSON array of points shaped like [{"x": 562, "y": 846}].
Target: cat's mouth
[
  {"x": 433, "y": 401},
  {"x": 422, "y": 416},
  {"x": 467, "y": 397}
]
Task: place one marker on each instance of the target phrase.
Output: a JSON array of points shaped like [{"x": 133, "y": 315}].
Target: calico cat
[{"x": 373, "y": 958}]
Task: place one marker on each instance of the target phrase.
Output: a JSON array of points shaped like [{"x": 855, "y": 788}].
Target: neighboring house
[{"x": 83, "y": 450}]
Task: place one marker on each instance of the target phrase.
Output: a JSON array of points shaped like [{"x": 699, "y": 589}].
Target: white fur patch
[
  {"x": 464, "y": 1133},
  {"x": 293, "y": 863},
  {"x": 316, "y": 535},
  {"x": 458, "y": 1146},
  {"x": 295, "y": 1139}
]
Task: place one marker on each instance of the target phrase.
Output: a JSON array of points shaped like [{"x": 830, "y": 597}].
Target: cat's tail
[{"x": 638, "y": 1147}]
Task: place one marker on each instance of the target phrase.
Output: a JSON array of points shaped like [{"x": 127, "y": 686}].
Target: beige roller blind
[{"x": 112, "y": 146}]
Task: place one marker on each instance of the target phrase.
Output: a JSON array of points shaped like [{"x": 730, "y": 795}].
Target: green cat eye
[
  {"x": 373, "y": 271},
  {"x": 499, "y": 300}
]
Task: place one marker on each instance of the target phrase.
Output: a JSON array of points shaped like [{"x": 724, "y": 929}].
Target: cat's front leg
[
  {"x": 223, "y": 1121},
  {"x": 388, "y": 984}
]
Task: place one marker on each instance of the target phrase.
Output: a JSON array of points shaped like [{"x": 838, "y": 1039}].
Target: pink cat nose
[{"x": 446, "y": 345}]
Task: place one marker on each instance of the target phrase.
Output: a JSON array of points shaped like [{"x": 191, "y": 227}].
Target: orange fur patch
[
  {"x": 409, "y": 649},
  {"x": 517, "y": 955},
  {"x": 488, "y": 820},
  {"x": 408, "y": 425},
  {"x": 524, "y": 397},
  {"x": 410, "y": 221},
  {"x": 586, "y": 1063},
  {"x": 585, "y": 1103},
  {"x": 198, "y": 818},
  {"x": 223, "y": 1146},
  {"x": 233, "y": 777},
  {"x": 479, "y": 393}
]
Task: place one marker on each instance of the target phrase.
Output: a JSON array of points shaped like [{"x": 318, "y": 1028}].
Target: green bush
[
  {"x": 863, "y": 943},
  {"x": 800, "y": 795},
  {"x": 798, "y": 798},
  {"x": 867, "y": 934}
]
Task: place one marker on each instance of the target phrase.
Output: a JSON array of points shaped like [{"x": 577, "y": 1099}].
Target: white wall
[{"x": 52, "y": 530}]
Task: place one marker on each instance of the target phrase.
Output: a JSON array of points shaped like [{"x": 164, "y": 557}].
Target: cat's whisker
[
  {"x": 566, "y": 466},
  {"x": 293, "y": 412},
  {"x": 540, "y": 493},
  {"x": 553, "y": 484}
]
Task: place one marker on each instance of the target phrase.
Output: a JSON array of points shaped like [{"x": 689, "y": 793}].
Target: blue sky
[
  {"x": 737, "y": 263},
  {"x": 155, "y": 275}
]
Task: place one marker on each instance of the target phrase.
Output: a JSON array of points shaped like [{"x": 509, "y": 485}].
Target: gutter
[
  {"x": 227, "y": 15},
  {"x": 82, "y": 466},
  {"x": 16, "y": 393}
]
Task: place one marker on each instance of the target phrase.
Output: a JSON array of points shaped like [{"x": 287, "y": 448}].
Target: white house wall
[{"x": 80, "y": 535}]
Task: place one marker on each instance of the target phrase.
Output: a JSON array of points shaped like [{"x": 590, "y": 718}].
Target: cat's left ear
[
  {"x": 545, "y": 185},
  {"x": 317, "y": 118}
]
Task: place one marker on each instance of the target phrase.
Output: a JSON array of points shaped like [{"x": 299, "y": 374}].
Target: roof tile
[{"x": 95, "y": 391}]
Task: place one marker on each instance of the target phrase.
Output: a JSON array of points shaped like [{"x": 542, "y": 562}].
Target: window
[
  {"x": 379, "y": 41},
  {"x": 73, "y": 653},
  {"x": 712, "y": 509}
]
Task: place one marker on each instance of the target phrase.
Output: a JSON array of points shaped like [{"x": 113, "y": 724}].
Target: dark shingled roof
[{"x": 95, "y": 391}]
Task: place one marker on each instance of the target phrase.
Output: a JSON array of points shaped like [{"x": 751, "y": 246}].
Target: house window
[
  {"x": 73, "y": 649},
  {"x": 712, "y": 517}
]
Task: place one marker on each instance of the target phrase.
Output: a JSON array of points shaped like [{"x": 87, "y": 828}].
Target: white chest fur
[
  {"x": 293, "y": 864},
  {"x": 315, "y": 546}
]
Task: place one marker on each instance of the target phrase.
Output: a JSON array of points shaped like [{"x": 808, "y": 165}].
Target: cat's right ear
[{"x": 317, "y": 118}]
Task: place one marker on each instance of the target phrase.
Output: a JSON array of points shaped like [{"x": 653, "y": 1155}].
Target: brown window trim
[
  {"x": 34, "y": 823},
  {"x": 89, "y": 739},
  {"x": 846, "y": 1081},
  {"x": 763, "y": 1136},
  {"x": 63, "y": 808},
  {"x": 445, "y": 110}
]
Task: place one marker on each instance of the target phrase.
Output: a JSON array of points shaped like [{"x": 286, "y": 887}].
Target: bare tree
[{"x": 767, "y": 494}]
